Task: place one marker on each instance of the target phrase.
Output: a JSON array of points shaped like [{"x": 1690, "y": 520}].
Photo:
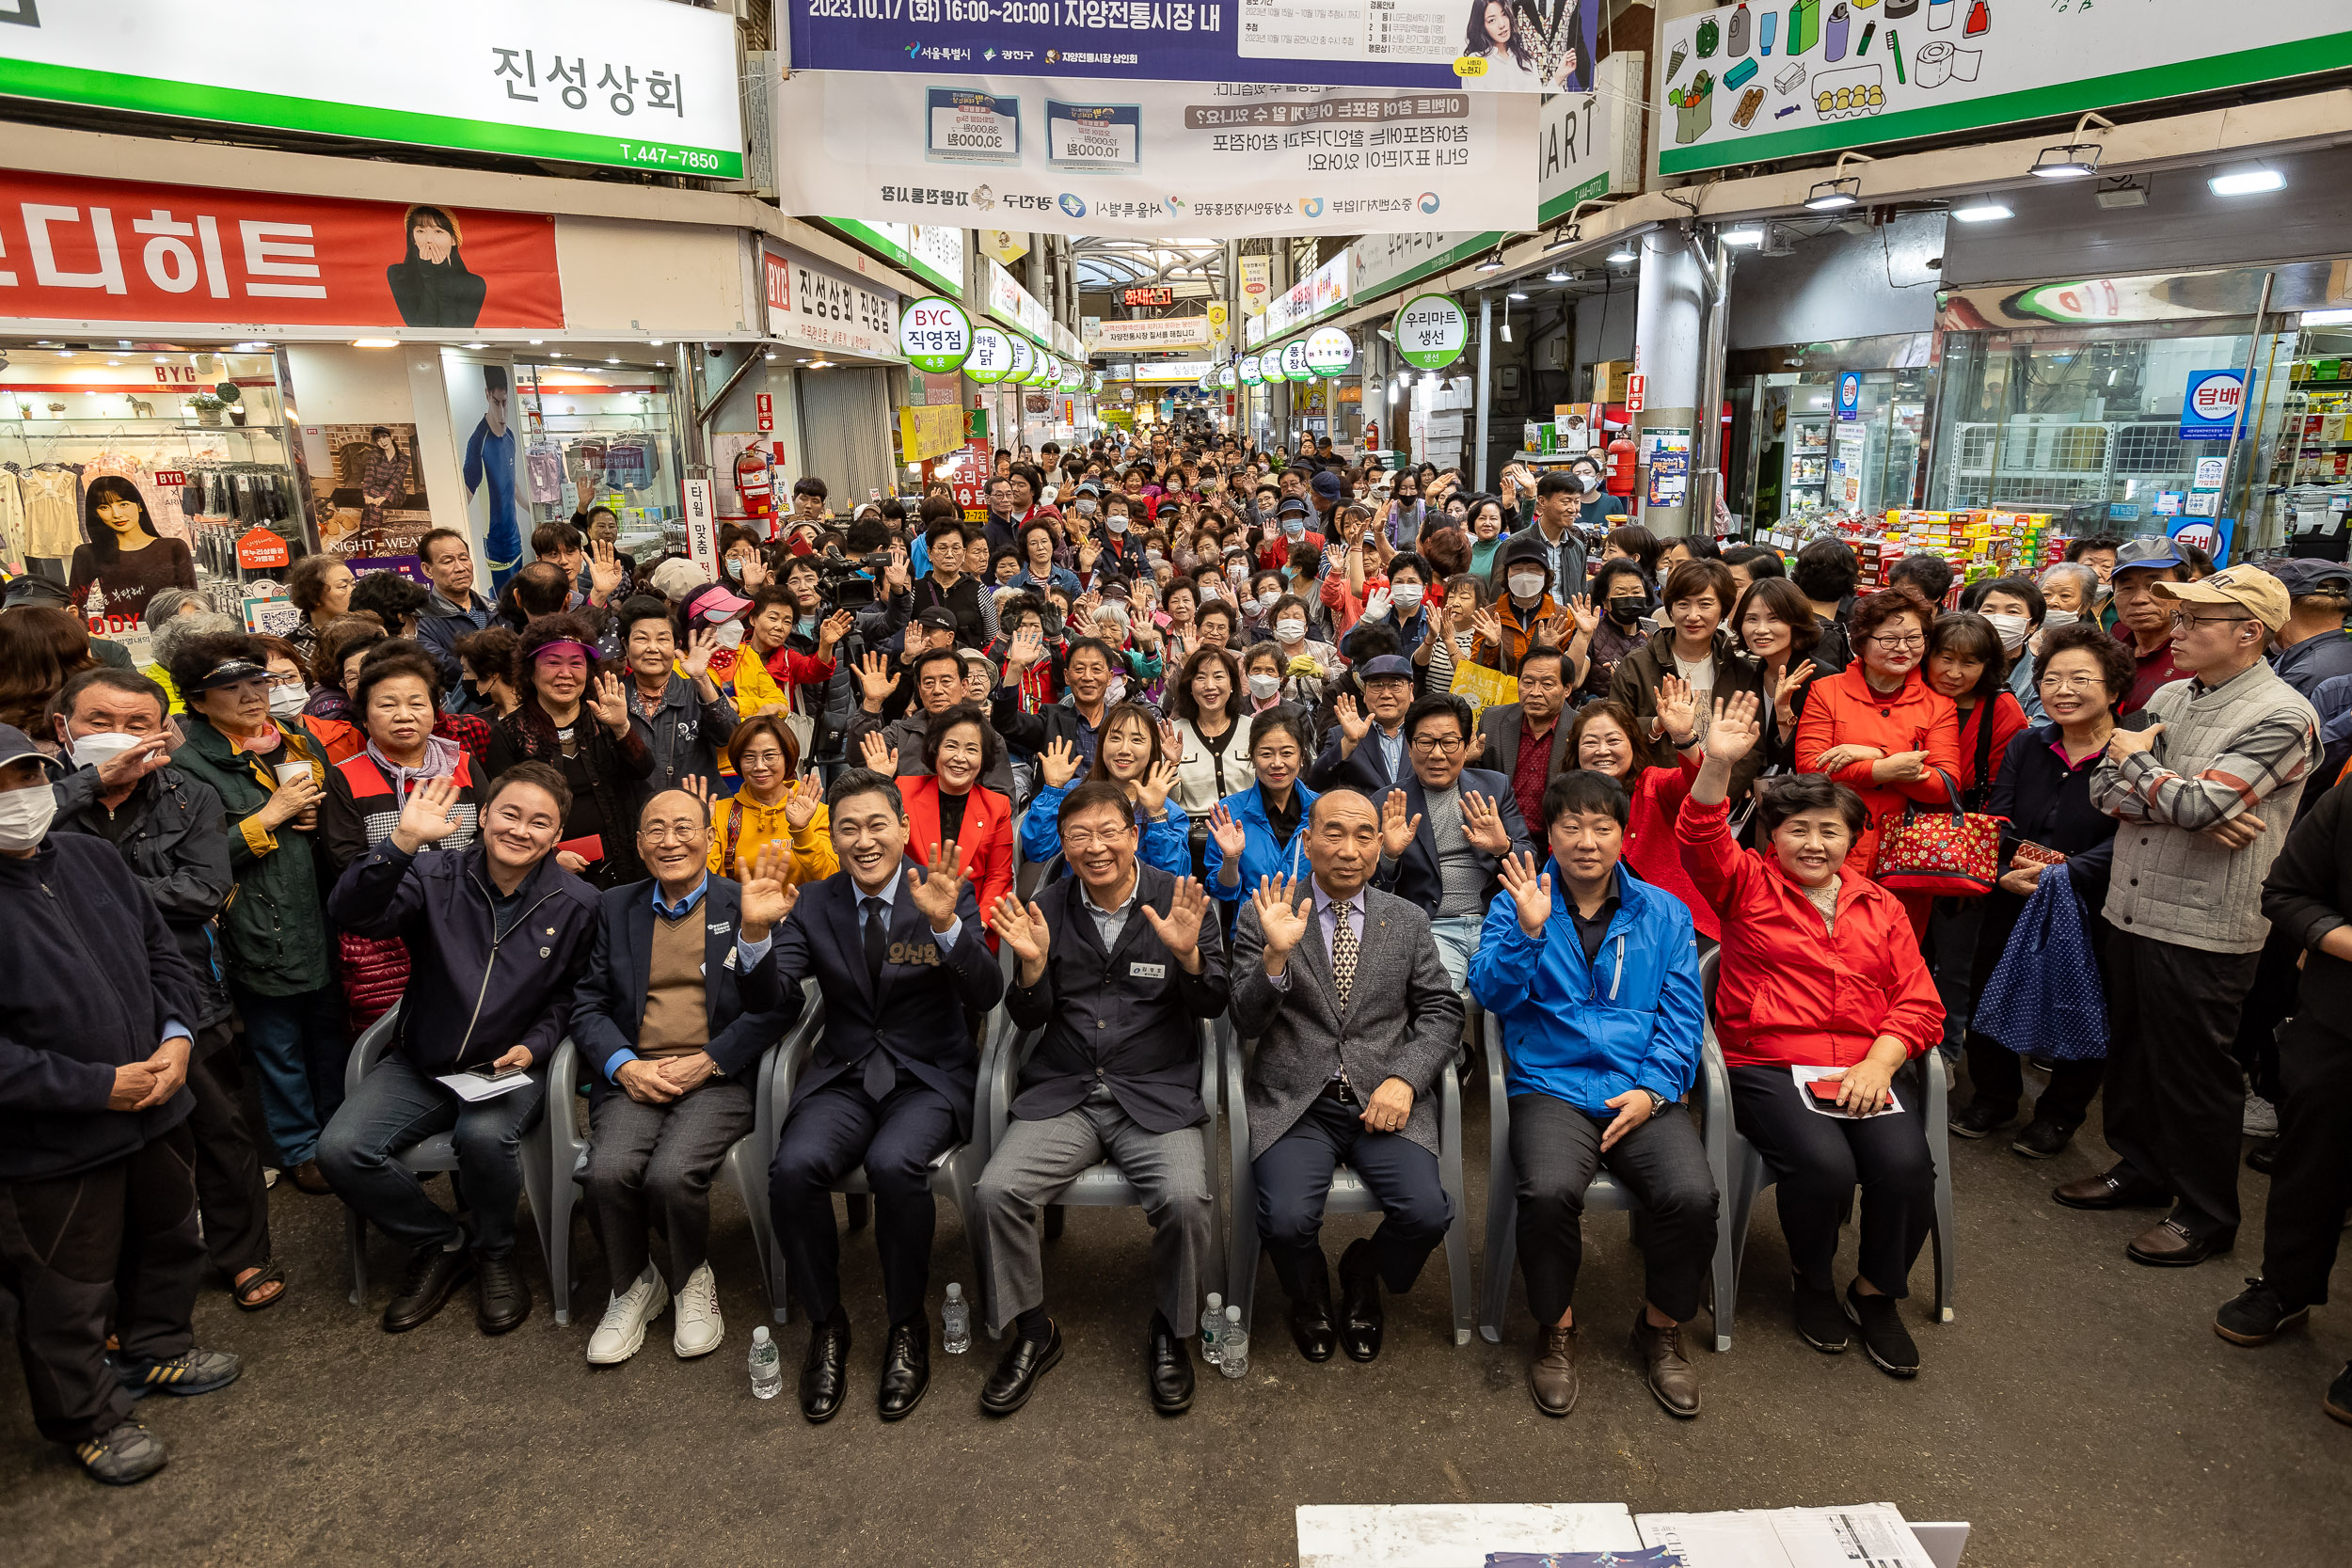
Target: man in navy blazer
[
  {"x": 660, "y": 1022},
  {"x": 1365, "y": 748},
  {"x": 904, "y": 965},
  {"x": 1446, "y": 830}
]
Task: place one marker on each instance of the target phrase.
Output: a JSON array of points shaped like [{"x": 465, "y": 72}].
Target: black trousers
[
  {"x": 832, "y": 1133},
  {"x": 112, "y": 1247},
  {"x": 1816, "y": 1162},
  {"x": 1555, "y": 1150},
  {"x": 1294, "y": 1178},
  {"x": 2269, "y": 1002},
  {"x": 2175, "y": 1101},
  {"x": 229, "y": 1187},
  {"x": 2312, "y": 1185}
]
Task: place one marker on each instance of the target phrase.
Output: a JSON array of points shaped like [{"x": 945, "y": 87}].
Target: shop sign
[
  {"x": 1955, "y": 66},
  {"x": 1170, "y": 371},
  {"x": 1388, "y": 43},
  {"x": 2209, "y": 409},
  {"x": 933, "y": 254},
  {"x": 1023, "y": 360},
  {"x": 1209, "y": 158},
  {"x": 1013, "y": 304},
  {"x": 1329, "y": 351},
  {"x": 990, "y": 359},
  {"x": 814, "y": 305},
  {"x": 934, "y": 334},
  {"x": 1168, "y": 332},
  {"x": 1294, "y": 362},
  {"x": 1431, "y": 331},
  {"x": 1319, "y": 292},
  {"x": 612, "y": 82},
  {"x": 1226, "y": 376},
  {"x": 1849, "y": 394},
  {"x": 1248, "y": 371},
  {"x": 105, "y": 251}
]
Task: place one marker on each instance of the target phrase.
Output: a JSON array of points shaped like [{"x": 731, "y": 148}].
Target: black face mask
[{"x": 1627, "y": 612}]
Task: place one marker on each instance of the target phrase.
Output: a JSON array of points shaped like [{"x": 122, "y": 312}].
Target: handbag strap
[{"x": 1981, "y": 790}]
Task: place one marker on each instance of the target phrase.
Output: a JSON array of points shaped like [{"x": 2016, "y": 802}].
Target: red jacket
[
  {"x": 1841, "y": 709},
  {"x": 986, "y": 839},
  {"x": 1789, "y": 994},
  {"x": 1650, "y": 848}
]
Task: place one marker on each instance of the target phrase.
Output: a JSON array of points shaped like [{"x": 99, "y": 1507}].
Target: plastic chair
[
  {"x": 955, "y": 1175},
  {"x": 745, "y": 1166},
  {"x": 439, "y": 1153},
  {"x": 1711, "y": 1099},
  {"x": 1349, "y": 1195},
  {"x": 1101, "y": 1185}
]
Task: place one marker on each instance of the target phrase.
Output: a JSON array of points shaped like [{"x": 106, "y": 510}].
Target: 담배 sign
[
  {"x": 2209, "y": 409},
  {"x": 934, "y": 334},
  {"x": 1849, "y": 394},
  {"x": 1431, "y": 331}
]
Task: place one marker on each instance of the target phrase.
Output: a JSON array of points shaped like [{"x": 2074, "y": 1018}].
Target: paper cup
[{"x": 289, "y": 772}]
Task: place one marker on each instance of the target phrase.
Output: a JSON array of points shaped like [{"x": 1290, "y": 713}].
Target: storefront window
[
  {"x": 602, "y": 435},
  {"x": 2310, "y": 479},
  {"x": 1808, "y": 460}
]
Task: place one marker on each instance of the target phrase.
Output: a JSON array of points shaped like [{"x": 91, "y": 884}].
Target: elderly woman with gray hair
[{"x": 2070, "y": 593}]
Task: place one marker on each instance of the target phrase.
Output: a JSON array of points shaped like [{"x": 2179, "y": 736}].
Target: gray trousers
[
  {"x": 652, "y": 1164},
  {"x": 1037, "y": 1163}
]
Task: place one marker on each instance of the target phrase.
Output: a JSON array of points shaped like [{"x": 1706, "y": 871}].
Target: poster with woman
[
  {"x": 430, "y": 285},
  {"x": 1533, "y": 45},
  {"x": 366, "y": 493},
  {"x": 123, "y": 561}
]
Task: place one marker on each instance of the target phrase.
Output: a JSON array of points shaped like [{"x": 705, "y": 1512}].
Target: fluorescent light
[
  {"x": 376, "y": 343},
  {"x": 473, "y": 345},
  {"x": 251, "y": 348},
  {"x": 1832, "y": 195},
  {"x": 1623, "y": 256},
  {"x": 1985, "y": 209},
  {"x": 2328, "y": 318},
  {"x": 2247, "y": 181},
  {"x": 1743, "y": 236},
  {"x": 555, "y": 353},
  {"x": 613, "y": 361},
  {"x": 2070, "y": 161},
  {"x": 536, "y": 342}
]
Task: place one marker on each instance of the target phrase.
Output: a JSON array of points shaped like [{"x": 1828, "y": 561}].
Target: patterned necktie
[{"x": 1343, "y": 953}]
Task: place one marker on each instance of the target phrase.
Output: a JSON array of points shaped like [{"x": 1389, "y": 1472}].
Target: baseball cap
[
  {"x": 1293, "y": 507},
  {"x": 2249, "y": 588},
  {"x": 2305, "y": 576},
  {"x": 15, "y": 746},
  {"x": 1527, "y": 547},
  {"x": 1387, "y": 667},
  {"x": 936, "y": 619},
  {"x": 713, "y": 603},
  {"x": 31, "y": 590},
  {"x": 1330, "y": 487},
  {"x": 2148, "y": 550},
  {"x": 674, "y": 579}
]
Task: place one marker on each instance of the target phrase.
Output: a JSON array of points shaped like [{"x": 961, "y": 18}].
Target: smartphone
[
  {"x": 1825, "y": 1090},
  {"x": 495, "y": 1072}
]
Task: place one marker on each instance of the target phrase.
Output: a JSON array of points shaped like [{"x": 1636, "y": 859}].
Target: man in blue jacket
[
  {"x": 1595, "y": 979},
  {"x": 496, "y": 936},
  {"x": 97, "y": 1226}
]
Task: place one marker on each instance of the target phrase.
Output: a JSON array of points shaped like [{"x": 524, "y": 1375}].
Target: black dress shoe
[
  {"x": 1311, "y": 1326},
  {"x": 1360, "y": 1302},
  {"x": 500, "y": 1299},
  {"x": 2263, "y": 1155},
  {"x": 433, "y": 1274},
  {"x": 906, "y": 1367},
  {"x": 1014, "y": 1380},
  {"x": 825, "y": 1370},
  {"x": 1168, "y": 1368}
]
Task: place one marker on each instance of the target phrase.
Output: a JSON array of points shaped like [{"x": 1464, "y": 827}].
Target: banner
[
  {"x": 1744, "y": 86},
  {"x": 816, "y": 305},
  {"x": 1221, "y": 160},
  {"x": 1257, "y": 273},
  {"x": 105, "y": 250},
  {"x": 1531, "y": 46},
  {"x": 614, "y": 82},
  {"x": 929, "y": 431},
  {"x": 1171, "y": 332}
]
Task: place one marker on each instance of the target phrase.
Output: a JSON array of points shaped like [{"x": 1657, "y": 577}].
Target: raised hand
[
  {"x": 1677, "y": 708},
  {"x": 1376, "y": 604},
  {"x": 1089, "y": 551},
  {"x": 1028, "y": 646},
  {"x": 1785, "y": 695},
  {"x": 1735, "y": 730},
  {"x": 699, "y": 787},
  {"x": 882, "y": 756},
  {"x": 1151, "y": 789},
  {"x": 610, "y": 704},
  {"x": 894, "y": 577},
  {"x": 1058, "y": 763},
  {"x": 1179, "y": 930},
  {"x": 1282, "y": 914},
  {"x": 700, "y": 646},
  {"x": 876, "y": 680},
  {"x": 1529, "y": 890},
  {"x": 754, "y": 574},
  {"x": 800, "y": 805},
  {"x": 429, "y": 817},
  {"x": 1488, "y": 627},
  {"x": 935, "y": 894},
  {"x": 1481, "y": 824},
  {"x": 604, "y": 573},
  {"x": 767, "y": 892},
  {"x": 1022, "y": 927},
  {"x": 834, "y": 627},
  {"x": 1229, "y": 836},
  {"x": 1586, "y": 613},
  {"x": 1396, "y": 833},
  {"x": 1354, "y": 722}
]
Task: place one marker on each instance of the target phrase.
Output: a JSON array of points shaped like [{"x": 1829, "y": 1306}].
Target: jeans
[
  {"x": 1458, "y": 942},
  {"x": 299, "y": 1045},
  {"x": 397, "y": 1106}
]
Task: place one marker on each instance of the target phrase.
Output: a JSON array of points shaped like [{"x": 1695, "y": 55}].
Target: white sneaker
[
  {"x": 699, "y": 1327},
  {"x": 626, "y": 1316},
  {"x": 2262, "y": 1117}
]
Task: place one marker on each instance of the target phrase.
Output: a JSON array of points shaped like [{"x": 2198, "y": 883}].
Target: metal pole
[
  {"x": 1707, "y": 433},
  {"x": 2246, "y": 397},
  {"x": 1485, "y": 358}
]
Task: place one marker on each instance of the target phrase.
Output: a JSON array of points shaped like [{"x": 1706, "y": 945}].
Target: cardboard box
[{"x": 1609, "y": 378}]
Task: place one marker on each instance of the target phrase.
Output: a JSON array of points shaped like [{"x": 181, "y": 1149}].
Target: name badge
[
  {"x": 1147, "y": 971},
  {"x": 720, "y": 927}
]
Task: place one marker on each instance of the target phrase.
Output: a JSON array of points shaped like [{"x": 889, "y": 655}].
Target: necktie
[
  {"x": 1342, "y": 954},
  {"x": 881, "y": 1071}
]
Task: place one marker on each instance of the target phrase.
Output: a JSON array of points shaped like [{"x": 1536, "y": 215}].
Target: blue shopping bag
[{"x": 2045, "y": 997}]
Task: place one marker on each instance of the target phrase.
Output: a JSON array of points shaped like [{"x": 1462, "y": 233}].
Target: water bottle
[
  {"x": 767, "y": 1366},
  {"x": 954, "y": 1323},
  {"x": 1232, "y": 1345},
  {"x": 1211, "y": 1321}
]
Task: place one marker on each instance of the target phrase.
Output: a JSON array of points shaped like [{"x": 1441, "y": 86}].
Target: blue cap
[{"x": 1390, "y": 666}]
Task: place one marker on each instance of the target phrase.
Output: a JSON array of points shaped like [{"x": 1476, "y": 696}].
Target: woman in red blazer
[
  {"x": 957, "y": 747},
  {"x": 1820, "y": 978},
  {"x": 1881, "y": 730}
]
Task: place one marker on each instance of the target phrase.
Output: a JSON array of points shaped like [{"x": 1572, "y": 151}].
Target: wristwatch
[{"x": 1657, "y": 1100}]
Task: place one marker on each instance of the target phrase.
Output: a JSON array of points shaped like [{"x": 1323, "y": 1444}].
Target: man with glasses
[
  {"x": 2184, "y": 900},
  {"x": 2143, "y": 617},
  {"x": 1444, "y": 834},
  {"x": 1365, "y": 749}
]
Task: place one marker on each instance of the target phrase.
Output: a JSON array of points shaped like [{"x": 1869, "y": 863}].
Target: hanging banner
[
  {"x": 1165, "y": 332},
  {"x": 1219, "y": 160},
  {"x": 929, "y": 431},
  {"x": 1257, "y": 287},
  {"x": 612, "y": 82},
  {"x": 935, "y": 335},
  {"x": 1837, "y": 78},
  {"x": 109, "y": 250},
  {"x": 990, "y": 359},
  {"x": 1431, "y": 331}
]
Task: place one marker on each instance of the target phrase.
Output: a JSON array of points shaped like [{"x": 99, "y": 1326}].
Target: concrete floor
[{"x": 2079, "y": 1411}]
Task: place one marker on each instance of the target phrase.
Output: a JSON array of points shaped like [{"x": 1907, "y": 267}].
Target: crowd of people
[{"x": 1174, "y": 733}]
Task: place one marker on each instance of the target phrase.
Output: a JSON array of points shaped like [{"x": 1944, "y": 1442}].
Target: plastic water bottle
[
  {"x": 767, "y": 1366},
  {"x": 954, "y": 1323},
  {"x": 1212, "y": 1321},
  {"x": 1232, "y": 1345}
]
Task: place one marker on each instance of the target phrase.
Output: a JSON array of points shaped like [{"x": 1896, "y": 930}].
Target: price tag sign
[
  {"x": 1431, "y": 331},
  {"x": 934, "y": 334}
]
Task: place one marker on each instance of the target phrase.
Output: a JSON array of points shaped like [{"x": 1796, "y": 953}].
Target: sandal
[{"x": 247, "y": 1293}]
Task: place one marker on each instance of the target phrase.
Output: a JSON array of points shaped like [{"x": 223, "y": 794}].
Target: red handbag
[{"x": 1954, "y": 853}]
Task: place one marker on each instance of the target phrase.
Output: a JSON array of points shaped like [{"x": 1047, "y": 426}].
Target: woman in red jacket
[
  {"x": 1602, "y": 740},
  {"x": 1881, "y": 730},
  {"x": 1821, "y": 980},
  {"x": 1966, "y": 663},
  {"x": 949, "y": 802}
]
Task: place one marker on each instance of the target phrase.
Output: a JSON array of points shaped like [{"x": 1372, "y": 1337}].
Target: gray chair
[
  {"x": 1711, "y": 1099},
  {"x": 1101, "y": 1185},
  {"x": 745, "y": 1166},
  {"x": 1349, "y": 1195},
  {"x": 438, "y": 1152}
]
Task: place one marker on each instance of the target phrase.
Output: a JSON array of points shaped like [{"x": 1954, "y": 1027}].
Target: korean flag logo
[{"x": 1429, "y": 201}]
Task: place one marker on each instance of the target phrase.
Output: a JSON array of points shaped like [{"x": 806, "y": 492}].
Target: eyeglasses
[
  {"x": 664, "y": 832},
  {"x": 1084, "y": 839},
  {"x": 1438, "y": 743},
  {"x": 1916, "y": 640},
  {"x": 2181, "y": 623},
  {"x": 2072, "y": 683}
]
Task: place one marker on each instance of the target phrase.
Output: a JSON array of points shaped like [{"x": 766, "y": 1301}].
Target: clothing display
[
  {"x": 542, "y": 473},
  {"x": 53, "y": 510}
]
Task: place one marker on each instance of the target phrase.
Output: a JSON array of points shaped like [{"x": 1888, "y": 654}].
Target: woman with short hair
[{"x": 574, "y": 717}]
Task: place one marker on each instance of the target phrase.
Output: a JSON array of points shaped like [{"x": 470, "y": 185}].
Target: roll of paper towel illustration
[{"x": 1938, "y": 62}]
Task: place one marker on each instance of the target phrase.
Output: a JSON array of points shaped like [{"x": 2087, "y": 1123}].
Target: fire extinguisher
[
  {"x": 754, "y": 483},
  {"x": 1622, "y": 456}
]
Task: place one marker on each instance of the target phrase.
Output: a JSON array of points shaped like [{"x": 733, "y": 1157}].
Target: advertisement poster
[
  {"x": 484, "y": 417},
  {"x": 612, "y": 82},
  {"x": 1487, "y": 46},
  {"x": 1666, "y": 455},
  {"x": 367, "y": 491},
  {"x": 1222, "y": 160},
  {"x": 1743, "y": 84},
  {"x": 1165, "y": 332},
  {"x": 88, "y": 250}
]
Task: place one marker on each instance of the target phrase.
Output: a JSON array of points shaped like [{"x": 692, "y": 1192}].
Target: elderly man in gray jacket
[{"x": 1354, "y": 1017}]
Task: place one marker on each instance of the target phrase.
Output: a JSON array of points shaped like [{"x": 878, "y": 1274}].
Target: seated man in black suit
[
  {"x": 1365, "y": 748},
  {"x": 1116, "y": 965},
  {"x": 1354, "y": 1017},
  {"x": 902, "y": 960},
  {"x": 1444, "y": 834},
  {"x": 660, "y": 1021}
]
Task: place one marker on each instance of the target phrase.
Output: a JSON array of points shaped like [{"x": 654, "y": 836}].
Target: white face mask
[
  {"x": 1118, "y": 523},
  {"x": 96, "y": 750},
  {"x": 1526, "y": 585},
  {"x": 287, "y": 702},
  {"x": 1405, "y": 597},
  {"x": 2057, "y": 618},
  {"x": 2013, "y": 629},
  {"x": 1114, "y": 691},
  {"x": 731, "y": 634},
  {"x": 1290, "y": 631},
  {"x": 1263, "y": 686},
  {"x": 25, "y": 817}
]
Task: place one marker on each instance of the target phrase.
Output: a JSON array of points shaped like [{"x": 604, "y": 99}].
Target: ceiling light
[
  {"x": 1493, "y": 261},
  {"x": 1744, "y": 237},
  {"x": 555, "y": 353},
  {"x": 661, "y": 364},
  {"x": 1559, "y": 274},
  {"x": 124, "y": 342},
  {"x": 772, "y": 354},
  {"x": 473, "y": 345},
  {"x": 1623, "y": 255},
  {"x": 2247, "y": 181},
  {"x": 1984, "y": 209},
  {"x": 114, "y": 361},
  {"x": 163, "y": 359},
  {"x": 1565, "y": 236},
  {"x": 2328, "y": 318},
  {"x": 656, "y": 342},
  {"x": 536, "y": 342},
  {"x": 251, "y": 348},
  {"x": 614, "y": 360},
  {"x": 65, "y": 353},
  {"x": 376, "y": 343},
  {"x": 2072, "y": 161},
  {"x": 1832, "y": 196},
  {"x": 2121, "y": 191},
  {"x": 1517, "y": 292}
]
